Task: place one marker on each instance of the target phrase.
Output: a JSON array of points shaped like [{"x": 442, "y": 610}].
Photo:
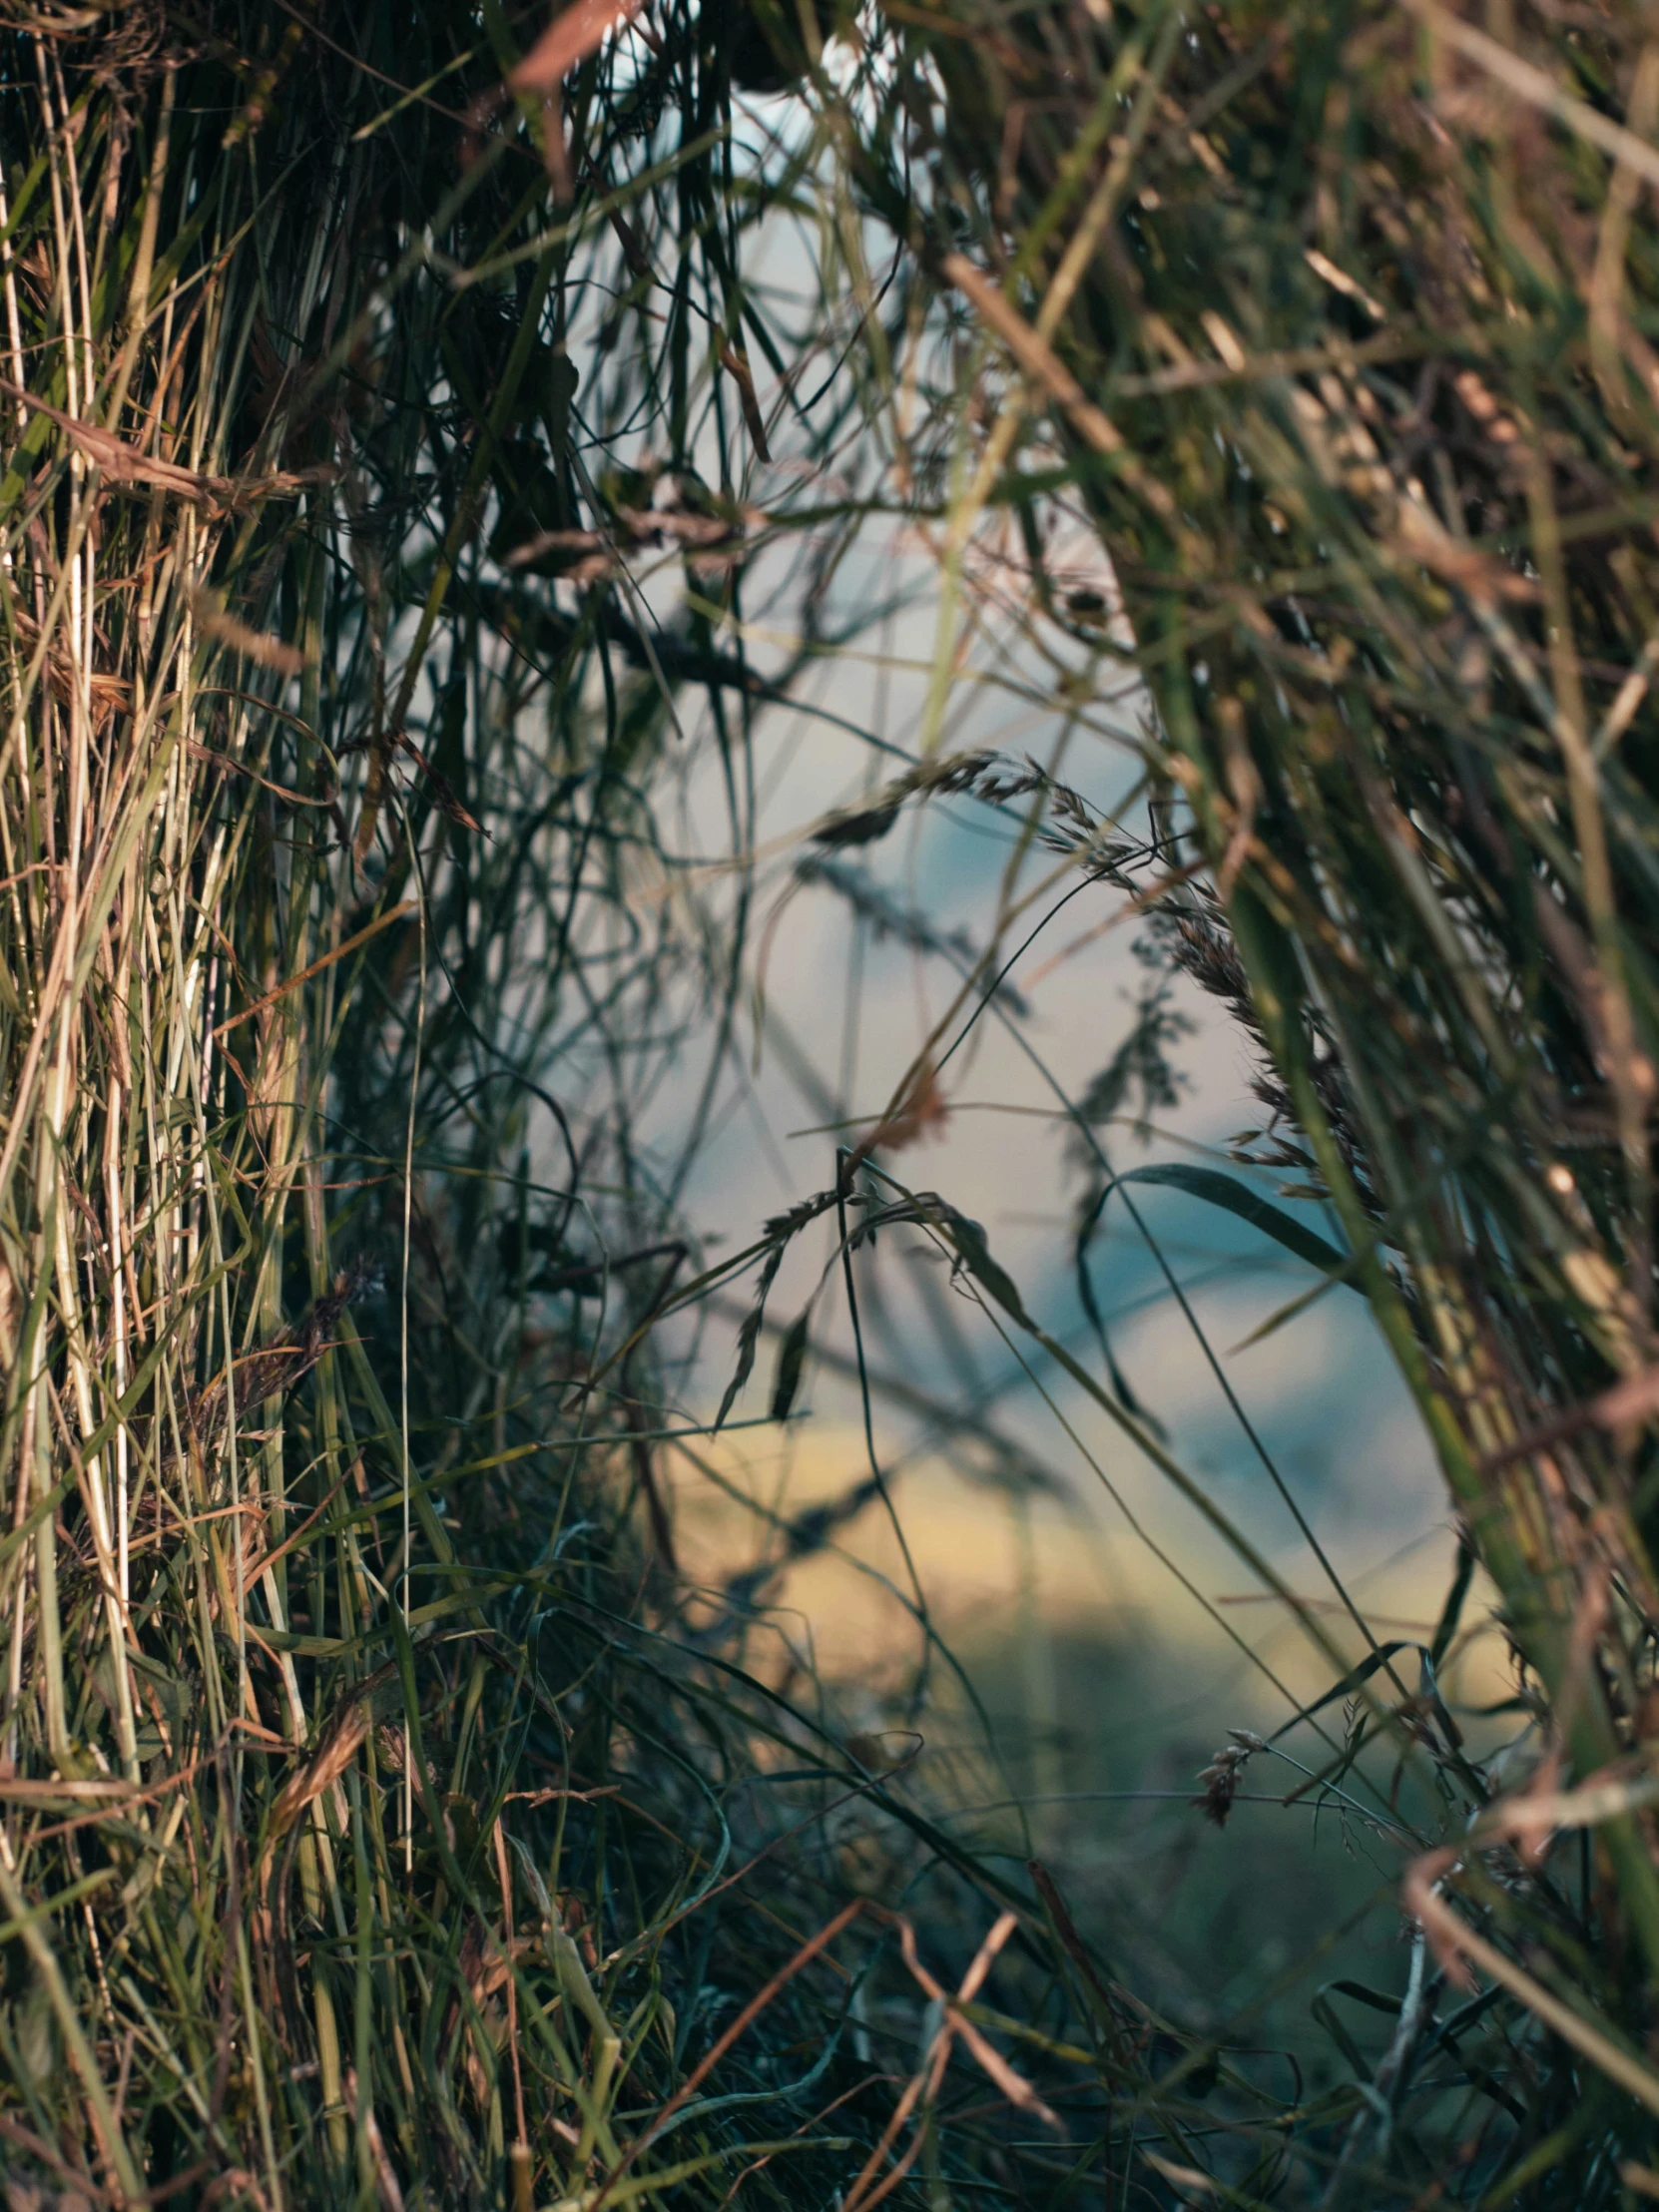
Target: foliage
[
  {"x": 369, "y": 1825},
  {"x": 381, "y": 1812},
  {"x": 1339, "y": 321}
]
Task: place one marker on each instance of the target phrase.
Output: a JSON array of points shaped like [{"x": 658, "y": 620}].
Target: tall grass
[
  {"x": 378, "y": 1814},
  {"x": 1339, "y": 323},
  {"x": 368, "y": 1824}
]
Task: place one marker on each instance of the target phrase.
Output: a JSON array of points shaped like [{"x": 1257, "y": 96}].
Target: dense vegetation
[{"x": 385, "y": 1811}]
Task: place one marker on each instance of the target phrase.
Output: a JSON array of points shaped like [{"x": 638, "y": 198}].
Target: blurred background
[{"x": 986, "y": 1582}]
